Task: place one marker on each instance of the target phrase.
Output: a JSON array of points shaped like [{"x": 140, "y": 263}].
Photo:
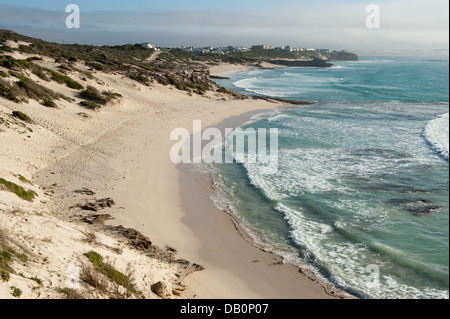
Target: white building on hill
[{"x": 147, "y": 45}]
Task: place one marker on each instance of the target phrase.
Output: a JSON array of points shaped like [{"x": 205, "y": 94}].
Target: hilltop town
[{"x": 262, "y": 50}]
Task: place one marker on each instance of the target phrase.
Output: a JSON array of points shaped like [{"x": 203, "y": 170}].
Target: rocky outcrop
[
  {"x": 342, "y": 56},
  {"x": 416, "y": 207},
  {"x": 182, "y": 267},
  {"x": 140, "y": 242},
  {"x": 163, "y": 289},
  {"x": 84, "y": 191},
  {"x": 95, "y": 218},
  {"x": 218, "y": 77},
  {"x": 96, "y": 205},
  {"x": 136, "y": 239},
  {"x": 278, "y": 100}
]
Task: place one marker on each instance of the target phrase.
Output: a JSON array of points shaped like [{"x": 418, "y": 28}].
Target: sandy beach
[{"x": 175, "y": 209}]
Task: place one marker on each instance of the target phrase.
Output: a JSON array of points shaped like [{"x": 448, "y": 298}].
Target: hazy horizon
[{"x": 405, "y": 24}]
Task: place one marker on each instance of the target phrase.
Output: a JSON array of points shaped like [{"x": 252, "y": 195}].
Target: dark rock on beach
[
  {"x": 84, "y": 191},
  {"x": 135, "y": 238},
  {"x": 96, "y": 205},
  {"x": 139, "y": 241},
  {"x": 95, "y": 218}
]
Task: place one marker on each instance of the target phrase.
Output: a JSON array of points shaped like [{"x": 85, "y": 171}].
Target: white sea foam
[
  {"x": 287, "y": 87},
  {"x": 255, "y": 85},
  {"x": 345, "y": 260},
  {"x": 437, "y": 134},
  {"x": 246, "y": 84},
  {"x": 340, "y": 67}
]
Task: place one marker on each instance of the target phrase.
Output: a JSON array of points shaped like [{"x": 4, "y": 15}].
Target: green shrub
[
  {"x": 74, "y": 84},
  {"x": 23, "y": 179},
  {"x": 36, "y": 279},
  {"x": 23, "y": 63},
  {"x": 110, "y": 96},
  {"x": 40, "y": 73},
  {"x": 5, "y": 255},
  {"x": 63, "y": 79},
  {"x": 4, "y": 275},
  {"x": 224, "y": 90},
  {"x": 71, "y": 294},
  {"x": 16, "y": 292},
  {"x": 109, "y": 271},
  {"x": 139, "y": 78},
  {"x": 22, "y": 82},
  {"x": 34, "y": 58},
  {"x": 89, "y": 75},
  {"x": 21, "y": 116},
  {"x": 48, "y": 102},
  {"x": 91, "y": 93},
  {"x": 90, "y": 105},
  {"x": 17, "y": 75},
  {"x": 162, "y": 81},
  {"x": 28, "y": 195},
  {"x": 97, "y": 66},
  {"x": 58, "y": 77},
  {"x": 5, "y": 91},
  {"x": 65, "y": 67},
  {"x": 12, "y": 93},
  {"x": 7, "y": 61},
  {"x": 36, "y": 91}
]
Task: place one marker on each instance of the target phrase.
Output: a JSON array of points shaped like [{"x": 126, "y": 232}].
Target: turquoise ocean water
[{"x": 361, "y": 192}]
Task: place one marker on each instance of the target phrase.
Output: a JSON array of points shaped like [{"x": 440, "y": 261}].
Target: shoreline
[
  {"x": 230, "y": 268},
  {"x": 194, "y": 181},
  {"x": 269, "y": 274},
  {"x": 234, "y": 269}
]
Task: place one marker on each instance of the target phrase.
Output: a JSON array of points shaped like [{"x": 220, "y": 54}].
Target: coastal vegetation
[
  {"x": 16, "y": 292},
  {"x": 106, "y": 269},
  {"x": 26, "y": 88},
  {"x": 63, "y": 79},
  {"x": 48, "y": 102},
  {"x": 184, "y": 70},
  {"x": 96, "y": 98},
  {"x": 27, "y": 195},
  {"x": 90, "y": 105},
  {"x": 21, "y": 116},
  {"x": 7, "y": 257}
]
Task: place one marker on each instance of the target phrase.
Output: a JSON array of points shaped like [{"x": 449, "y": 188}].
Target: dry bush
[{"x": 95, "y": 279}]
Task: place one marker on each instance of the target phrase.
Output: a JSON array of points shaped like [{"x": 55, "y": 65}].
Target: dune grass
[
  {"x": 109, "y": 271},
  {"x": 27, "y": 195},
  {"x": 21, "y": 116}
]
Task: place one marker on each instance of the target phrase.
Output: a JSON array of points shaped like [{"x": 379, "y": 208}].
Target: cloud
[{"x": 405, "y": 24}]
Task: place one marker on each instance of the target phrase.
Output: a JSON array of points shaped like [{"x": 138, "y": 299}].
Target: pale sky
[{"x": 404, "y": 24}]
